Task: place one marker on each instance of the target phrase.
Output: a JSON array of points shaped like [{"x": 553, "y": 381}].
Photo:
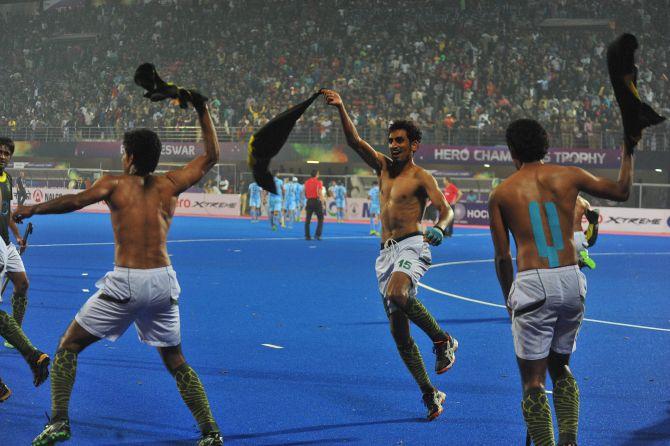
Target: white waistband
[{"x": 123, "y": 269}]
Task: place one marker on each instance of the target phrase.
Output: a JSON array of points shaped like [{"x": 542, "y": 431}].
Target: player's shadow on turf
[
  {"x": 657, "y": 433},
  {"x": 319, "y": 428}
]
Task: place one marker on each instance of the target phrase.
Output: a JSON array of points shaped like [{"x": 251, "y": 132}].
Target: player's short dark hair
[
  {"x": 375, "y": 183},
  {"x": 7, "y": 142},
  {"x": 413, "y": 131},
  {"x": 527, "y": 140},
  {"x": 145, "y": 147},
  {"x": 314, "y": 173}
]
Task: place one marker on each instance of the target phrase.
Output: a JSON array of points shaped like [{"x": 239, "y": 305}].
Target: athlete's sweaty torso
[
  {"x": 403, "y": 199},
  {"x": 532, "y": 200},
  {"x": 142, "y": 209}
]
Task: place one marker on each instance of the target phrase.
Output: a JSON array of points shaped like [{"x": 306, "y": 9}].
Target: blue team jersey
[
  {"x": 374, "y": 197},
  {"x": 254, "y": 192},
  {"x": 290, "y": 193},
  {"x": 280, "y": 185},
  {"x": 340, "y": 193},
  {"x": 298, "y": 192}
]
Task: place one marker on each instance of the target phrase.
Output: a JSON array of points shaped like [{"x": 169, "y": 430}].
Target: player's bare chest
[{"x": 399, "y": 189}]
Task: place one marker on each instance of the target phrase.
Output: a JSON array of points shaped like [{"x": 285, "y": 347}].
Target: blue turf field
[{"x": 338, "y": 378}]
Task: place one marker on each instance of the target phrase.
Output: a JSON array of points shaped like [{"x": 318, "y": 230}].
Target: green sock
[
  {"x": 566, "y": 404},
  {"x": 418, "y": 314},
  {"x": 193, "y": 394},
  {"x": 63, "y": 372},
  {"x": 411, "y": 356},
  {"x": 19, "y": 304},
  {"x": 11, "y": 331},
  {"x": 537, "y": 413}
]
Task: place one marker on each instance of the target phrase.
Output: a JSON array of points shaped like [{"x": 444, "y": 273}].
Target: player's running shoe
[
  {"x": 53, "y": 433},
  {"x": 433, "y": 402},
  {"x": 5, "y": 392},
  {"x": 39, "y": 364},
  {"x": 211, "y": 439},
  {"x": 585, "y": 260},
  {"x": 445, "y": 354}
]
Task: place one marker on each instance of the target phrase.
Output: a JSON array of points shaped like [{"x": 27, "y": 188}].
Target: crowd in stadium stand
[{"x": 448, "y": 65}]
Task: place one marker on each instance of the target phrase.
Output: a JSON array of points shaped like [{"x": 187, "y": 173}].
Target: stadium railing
[{"x": 657, "y": 139}]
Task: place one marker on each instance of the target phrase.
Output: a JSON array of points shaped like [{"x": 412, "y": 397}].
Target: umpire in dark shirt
[{"x": 314, "y": 196}]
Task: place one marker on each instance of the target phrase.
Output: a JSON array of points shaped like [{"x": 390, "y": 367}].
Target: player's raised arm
[
  {"x": 601, "y": 187},
  {"x": 501, "y": 245},
  {"x": 101, "y": 190},
  {"x": 193, "y": 172},
  {"x": 446, "y": 214},
  {"x": 371, "y": 157}
]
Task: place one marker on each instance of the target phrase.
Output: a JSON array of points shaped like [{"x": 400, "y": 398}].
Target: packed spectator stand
[{"x": 455, "y": 67}]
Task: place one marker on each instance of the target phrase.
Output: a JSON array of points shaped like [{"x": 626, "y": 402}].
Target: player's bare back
[
  {"x": 543, "y": 187},
  {"x": 141, "y": 211}
]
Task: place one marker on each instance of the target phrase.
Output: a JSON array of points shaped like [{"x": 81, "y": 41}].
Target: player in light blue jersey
[
  {"x": 288, "y": 187},
  {"x": 299, "y": 198},
  {"x": 290, "y": 201},
  {"x": 254, "y": 202},
  {"x": 340, "y": 193},
  {"x": 373, "y": 195},
  {"x": 274, "y": 204}
]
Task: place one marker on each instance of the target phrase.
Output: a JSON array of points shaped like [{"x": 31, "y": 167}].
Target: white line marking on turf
[
  {"x": 85, "y": 290},
  {"x": 224, "y": 240},
  {"x": 592, "y": 254},
  {"x": 490, "y": 304},
  {"x": 279, "y": 347}
]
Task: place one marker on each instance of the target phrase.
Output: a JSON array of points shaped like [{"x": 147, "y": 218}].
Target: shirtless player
[
  {"x": 546, "y": 300},
  {"x": 142, "y": 205},
  {"x": 405, "y": 255},
  {"x": 585, "y": 239}
]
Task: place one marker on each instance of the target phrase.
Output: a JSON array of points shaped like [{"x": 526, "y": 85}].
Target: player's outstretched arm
[
  {"x": 100, "y": 190},
  {"x": 501, "y": 245},
  {"x": 371, "y": 157},
  {"x": 601, "y": 187},
  {"x": 435, "y": 234},
  {"x": 15, "y": 231},
  {"x": 193, "y": 172}
]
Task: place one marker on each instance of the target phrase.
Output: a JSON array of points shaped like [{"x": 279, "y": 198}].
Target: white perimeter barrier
[
  {"x": 191, "y": 204},
  {"x": 635, "y": 221}
]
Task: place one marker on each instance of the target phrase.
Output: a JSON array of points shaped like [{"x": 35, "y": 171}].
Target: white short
[
  {"x": 14, "y": 263},
  {"x": 3, "y": 259},
  {"x": 410, "y": 256},
  {"x": 580, "y": 242},
  {"x": 547, "y": 310},
  {"x": 147, "y": 297}
]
